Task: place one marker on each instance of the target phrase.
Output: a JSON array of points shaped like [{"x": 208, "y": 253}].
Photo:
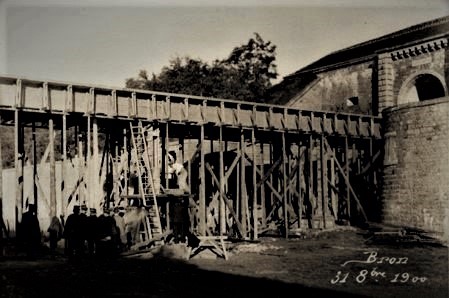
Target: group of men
[{"x": 102, "y": 236}]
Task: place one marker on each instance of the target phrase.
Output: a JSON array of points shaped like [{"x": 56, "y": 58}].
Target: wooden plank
[
  {"x": 202, "y": 174},
  {"x": 323, "y": 181},
  {"x": 243, "y": 193},
  {"x": 63, "y": 165},
  {"x": 262, "y": 187},
  {"x": 33, "y": 132},
  {"x": 334, "y": 199},
  {"x": 269, "y": 172},
  {"x": 52, "y": 168},
  {"x": 221, "y": 184},
  {"x": 299, "y": 180},
  {"x": 349, "y": 186},
  {"x": 348, "y": 193},
  {"x": 284, "y": 185},
  {"x": 94, "y": 178},
  {"x": 224, "y": 198},
  {"x": 255, "y": 221},
  {"x": 18, "y": 169},
  {"x": 87, "y": 182},
  {"x": 310, "y": 181}
]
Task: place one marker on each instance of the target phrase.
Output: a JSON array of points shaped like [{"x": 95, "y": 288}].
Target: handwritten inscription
[
  {"x": 373, "y": 258},
  {"x": 374, "y": 274}
]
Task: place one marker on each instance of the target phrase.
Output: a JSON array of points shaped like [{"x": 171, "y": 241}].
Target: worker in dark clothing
[
  {"x": 55, "y": 230},
  {"x": 3, "y": 234},
  {"x": 31, "y": 231},
  {"x": 107, "y": 233},
  {"x": 180, "y": 220},
  {"x": 73, "y": 233},
  {"x": 91, "y": 231}
]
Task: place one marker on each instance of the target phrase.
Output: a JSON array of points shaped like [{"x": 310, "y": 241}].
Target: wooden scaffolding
[{"x": 252, "y": 168}]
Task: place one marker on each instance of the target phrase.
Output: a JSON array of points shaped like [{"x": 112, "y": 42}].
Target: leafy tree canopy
[{"x": 245, "y": 75}]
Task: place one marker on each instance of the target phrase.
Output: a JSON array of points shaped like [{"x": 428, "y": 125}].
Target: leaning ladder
[{"x": 146, "y": 182}]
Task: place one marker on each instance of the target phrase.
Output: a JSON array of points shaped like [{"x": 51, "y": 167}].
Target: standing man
[
  {"x": 73, "y": 233},
  {"x": 31, "y": 231}
]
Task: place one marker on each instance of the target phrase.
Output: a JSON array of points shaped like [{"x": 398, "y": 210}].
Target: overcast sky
[{"x": 91, "y": 42}]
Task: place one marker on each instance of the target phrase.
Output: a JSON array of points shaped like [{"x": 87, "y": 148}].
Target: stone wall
[
  {"x": 416, "y": 166},
  {"x": 331, "y": 90},
  {"x": 397, "y": 67}
]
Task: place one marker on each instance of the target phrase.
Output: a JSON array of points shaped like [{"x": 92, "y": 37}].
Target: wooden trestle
[{"x": 252, "y": 168}]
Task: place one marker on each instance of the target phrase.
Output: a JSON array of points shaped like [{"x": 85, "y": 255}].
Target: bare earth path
[{"x": 271, "y": 268}]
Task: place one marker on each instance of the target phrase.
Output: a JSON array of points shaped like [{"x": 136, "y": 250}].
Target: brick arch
[{"x": 415, "y": 84}]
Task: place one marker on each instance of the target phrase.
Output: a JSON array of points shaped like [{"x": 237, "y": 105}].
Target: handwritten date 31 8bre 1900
[{"x": 375, "y": 274}]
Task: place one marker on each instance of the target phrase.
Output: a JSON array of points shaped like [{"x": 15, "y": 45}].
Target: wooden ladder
[{"x": 146, "y": 182}]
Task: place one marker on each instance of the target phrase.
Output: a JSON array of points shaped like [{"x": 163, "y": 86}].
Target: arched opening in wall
[{"x": 421, "y": 87}]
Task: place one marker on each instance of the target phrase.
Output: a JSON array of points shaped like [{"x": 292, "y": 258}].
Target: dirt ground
[{"x": 326, "y": 264}]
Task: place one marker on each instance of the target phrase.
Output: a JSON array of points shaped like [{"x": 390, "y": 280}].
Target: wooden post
[
  {"x": 310, "y": 176},
  {"x": 88, "y": 165},
  {"x": 262, "y": 188},
  {"x": 63, "y": 166},
  {"x": 323, "y": 180},
  {"x": 128, "y": 160},
  {"x": 334, "y": 199},
  {"x": 299, "y": 180},
  {"x": 202, "y": 174},
  {"x": 284, "y": 185},
  {"x": 18, "y": 167},
  {"x": 222, "y": 211},
  {"x": 167, "y": 186},
  {"x": 243, "y": 193},
  {"x": 95, "y": 179},
  {"x": 164, "y": 156},
  {"x": 52, "y": 168},
  {"x": 33, "y": 131},
  {"x": 1, "y": 182},
  {"x": 81, "y": 171},
  {"x": 255, "y": 221},
  {"x": 348, "y": 192}
]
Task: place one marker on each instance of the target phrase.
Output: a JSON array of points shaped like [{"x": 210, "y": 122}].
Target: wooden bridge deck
[{"x": 127, "y": 104}]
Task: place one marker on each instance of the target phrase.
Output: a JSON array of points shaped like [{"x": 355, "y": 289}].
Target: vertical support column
[
  {"x": 51, "y": 140},
  {"x": 348, "y": 193},
  {"x": 222, "y": 211},
  {"x": 1, "y": 185},
  {"x": 310, "y": 178},
  {"x": 299, "y": 182},
  {"x": 63, "y": 166},
  {"x": 165, "y": 159},
  {"x": 255, "y": 221},
  {"x": 202, "y": 174},
  {"x": 81, "y": 169},
  {"x": 333, "y": 197},
  {"x": 284, "y": 185},
  {"x": 243, "y": 193},
  {"x": 323, "y": 180},
  {"x": 88, "y": 165},
  {"x": 18, "y": 159},
  {"x": 33, "y": 131},
  {"x": 95, "y": 179},
  {"x": 164, "y": 155},
  {"x": 262, "y": 188},
  {"x": 126, "y": 164}
]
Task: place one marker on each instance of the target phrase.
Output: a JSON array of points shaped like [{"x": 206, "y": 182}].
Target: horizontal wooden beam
[{"x": 121, "y": 103}]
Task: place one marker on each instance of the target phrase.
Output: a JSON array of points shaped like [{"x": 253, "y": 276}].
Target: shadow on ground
[{"x": 155, "y": 277}]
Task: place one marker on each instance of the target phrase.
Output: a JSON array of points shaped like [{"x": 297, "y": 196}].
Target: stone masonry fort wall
[{"x": 416, "y": 166}]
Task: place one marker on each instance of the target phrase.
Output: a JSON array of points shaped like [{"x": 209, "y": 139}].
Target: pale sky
[{"x": 91, "y": 42}]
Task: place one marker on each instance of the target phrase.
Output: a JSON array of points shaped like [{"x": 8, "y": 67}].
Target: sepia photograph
[{"x": 197, "y": 148}]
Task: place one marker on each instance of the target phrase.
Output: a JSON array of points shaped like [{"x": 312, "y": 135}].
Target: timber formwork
[{"x": 252, "y": 168}]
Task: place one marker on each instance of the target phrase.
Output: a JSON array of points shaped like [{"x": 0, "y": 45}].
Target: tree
[{"x": 245, "y": 75}]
